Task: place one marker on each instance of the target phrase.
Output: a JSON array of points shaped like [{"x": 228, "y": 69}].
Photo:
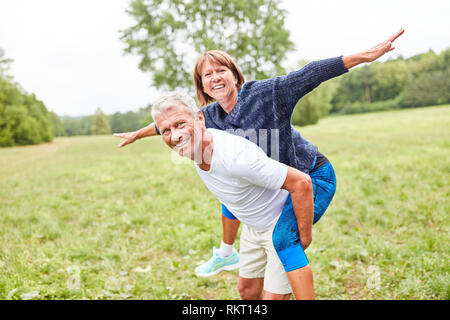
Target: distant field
[{"x": 81, "y": 218}]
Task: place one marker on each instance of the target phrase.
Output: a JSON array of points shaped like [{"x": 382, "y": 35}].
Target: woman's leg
[
  {"x": 324, "y": 187},
  {"x": 302, "y": 283},
  {"x": 230, "y": 228},
  {"x": 226, "y": 258},
  {"x": 286, "y": 241}
]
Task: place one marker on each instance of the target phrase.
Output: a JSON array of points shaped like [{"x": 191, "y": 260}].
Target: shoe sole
[{"x": 230, "y": 267}]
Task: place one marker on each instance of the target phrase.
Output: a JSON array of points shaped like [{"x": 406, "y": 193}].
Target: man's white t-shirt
[{"x": 245, "y": 180}]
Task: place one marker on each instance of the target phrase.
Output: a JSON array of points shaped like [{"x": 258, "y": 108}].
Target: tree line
[
  {"x": 99, "y": 123},
  {"x": 253, "y": 33},
  {"x": 421, "y": 80},
  {"x": 418, "y": 81},
  {"x": 23, "y": 118}
]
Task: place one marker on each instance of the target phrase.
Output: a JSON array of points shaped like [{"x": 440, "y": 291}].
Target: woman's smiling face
[{"x": 218, "y": 81}]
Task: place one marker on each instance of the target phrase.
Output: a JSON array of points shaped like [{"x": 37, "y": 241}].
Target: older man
[{"x": 272, "y": 200}]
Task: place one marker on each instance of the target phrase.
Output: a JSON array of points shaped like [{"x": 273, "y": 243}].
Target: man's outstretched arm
[{"x": 131, "y": 137}]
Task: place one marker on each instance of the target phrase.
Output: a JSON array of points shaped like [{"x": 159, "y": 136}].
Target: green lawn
[{"x": 81, "y": 218}]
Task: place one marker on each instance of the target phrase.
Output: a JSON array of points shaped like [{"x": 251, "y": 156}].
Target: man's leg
[
  {"x": 252, "y": 264},
  {"x": 275, "y": 296},
  {"x": 250, "y": 289},
  {"x": 276, "y": 282}
]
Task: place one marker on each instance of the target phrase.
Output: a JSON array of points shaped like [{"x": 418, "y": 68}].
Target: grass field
[{"x": 83, "y": 219}]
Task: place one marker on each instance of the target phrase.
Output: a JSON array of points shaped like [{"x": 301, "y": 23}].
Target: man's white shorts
[{"x": 258, "y": 259}]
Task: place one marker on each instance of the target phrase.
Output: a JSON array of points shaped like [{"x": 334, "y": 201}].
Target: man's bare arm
[
  {"x": 131, "y": 137},
  {"x": 300, "y": 187}
]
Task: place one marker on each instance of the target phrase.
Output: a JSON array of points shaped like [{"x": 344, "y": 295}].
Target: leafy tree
[
  {"x": 388, "y": 79},
  {"x": 430, "y": 88},
  {"x": 23, "y": 118},
  {"x": 146, "y": 117},
  {"x": 100, "y": 124},
  {"x": 115, "y": 120},
  {"x": 72, "y": 126},
  {"x": 315, "y": 104},
  {"x": 170, "y": 34},
  {"x": 86, "y": 124},
  {"x": 124, "y": 122},
  {"x": 420, "y": 80},
  {"x": 57, "y": 126}
]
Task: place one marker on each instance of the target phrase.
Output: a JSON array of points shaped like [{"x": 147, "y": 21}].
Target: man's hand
[
  {"x": 373, "y": 53},
  {"x": 129, "y": 137},
  {"x": 305, "y": 241}
]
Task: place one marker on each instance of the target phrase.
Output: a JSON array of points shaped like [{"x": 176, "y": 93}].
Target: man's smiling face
[{"x": 178, "y": 130}]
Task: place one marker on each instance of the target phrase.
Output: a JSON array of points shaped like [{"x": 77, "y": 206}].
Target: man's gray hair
[{"x": 173, "y": 99}]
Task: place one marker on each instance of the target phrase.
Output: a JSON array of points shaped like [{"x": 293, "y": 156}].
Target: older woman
[{"x": 244, "y": 108}]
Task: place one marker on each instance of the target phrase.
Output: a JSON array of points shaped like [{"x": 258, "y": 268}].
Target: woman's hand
[
  {"x": 373, "y": 53},
  {"x": 380, "y": 49}
]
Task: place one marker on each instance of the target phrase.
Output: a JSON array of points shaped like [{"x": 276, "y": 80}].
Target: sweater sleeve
[{"x": 288, "y": 89}]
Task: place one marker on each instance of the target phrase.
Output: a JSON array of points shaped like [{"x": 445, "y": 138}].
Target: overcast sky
[{"x": 69, "y": 54}]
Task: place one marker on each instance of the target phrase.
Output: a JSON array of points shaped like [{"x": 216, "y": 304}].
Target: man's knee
[
  {"x": 275, "y": 296},
  {"x": 250, "y": 289}
]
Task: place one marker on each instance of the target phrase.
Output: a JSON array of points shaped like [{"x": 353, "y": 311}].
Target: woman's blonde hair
[{"x": 218, "y": 57}]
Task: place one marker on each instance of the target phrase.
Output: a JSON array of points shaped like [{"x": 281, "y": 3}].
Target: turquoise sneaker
[{"x": 217, "y": 264}]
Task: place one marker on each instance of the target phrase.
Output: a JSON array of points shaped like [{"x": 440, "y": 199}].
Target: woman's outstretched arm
[{"x": 373, "y": 53}]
